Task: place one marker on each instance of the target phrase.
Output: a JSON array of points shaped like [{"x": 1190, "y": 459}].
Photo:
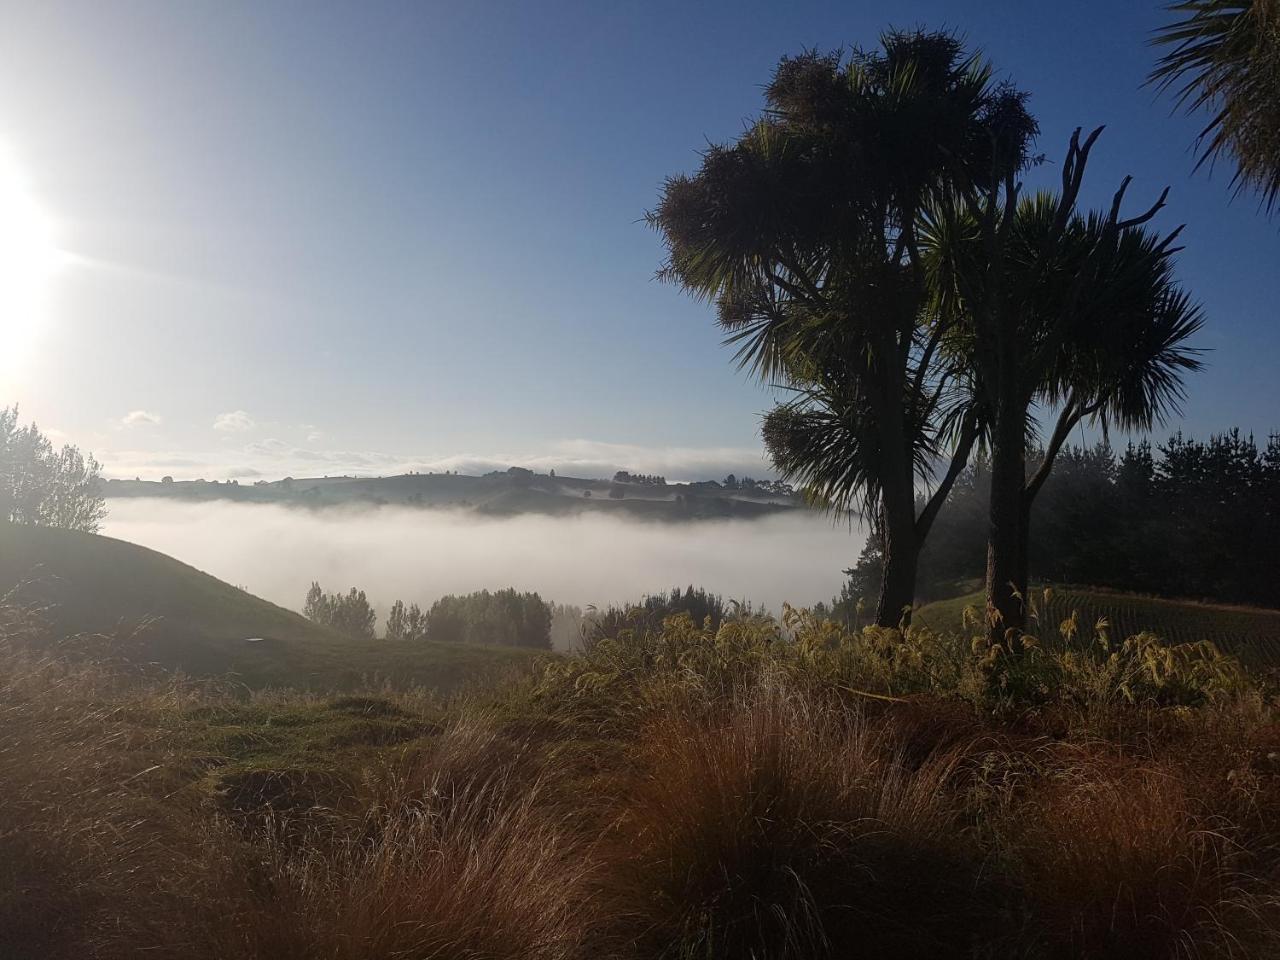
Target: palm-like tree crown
[
  {"x": 1224, "y": 56},
  {"x": 1099, "y": 319},
  {"x": 802, "y": 232}
]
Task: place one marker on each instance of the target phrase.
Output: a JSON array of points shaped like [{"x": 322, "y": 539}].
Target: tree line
[
  {"x": 644, "y": 479},
  {"x": 868, "y": 244},
  {"x": 1189, "y": 518},
  {"x": 751, "y": 485},
  {"x": 511, "y": 618},
  {"x": 505, "y": 617}
]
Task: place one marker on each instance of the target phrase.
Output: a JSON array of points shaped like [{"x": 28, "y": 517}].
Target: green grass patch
[{"x": 158, "y": 610}]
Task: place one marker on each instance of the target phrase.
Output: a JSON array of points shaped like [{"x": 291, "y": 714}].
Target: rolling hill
[
  {"x": 1250, "y": 633},
  {"x": 509, "y": 493},
  {"x": 165, "y": 612}
]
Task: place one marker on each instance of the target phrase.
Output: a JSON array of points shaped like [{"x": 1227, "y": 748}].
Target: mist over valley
[{"x": 416, "y": 554}]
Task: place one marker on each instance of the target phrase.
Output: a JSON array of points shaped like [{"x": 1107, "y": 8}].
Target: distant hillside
[
  {"x": 1252, "y": 634},
  {"x": 186, "y": 619},
  {"x": 512, "y": 492}
]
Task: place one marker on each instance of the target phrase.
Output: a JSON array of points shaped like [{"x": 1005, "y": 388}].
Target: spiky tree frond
[
  {"x": 1224, "y": 57},
  {"x": 1099, "y": 319},
  {"x": 830, "y": 453},
  {"x": 826, "y": 441},
  {"x": 1145, "y": 369}
]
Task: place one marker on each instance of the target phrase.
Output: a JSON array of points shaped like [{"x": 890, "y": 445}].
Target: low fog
[{"x": 419, "y": 555}]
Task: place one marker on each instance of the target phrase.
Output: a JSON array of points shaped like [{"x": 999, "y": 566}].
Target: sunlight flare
[{"x": 28, "y": 259}]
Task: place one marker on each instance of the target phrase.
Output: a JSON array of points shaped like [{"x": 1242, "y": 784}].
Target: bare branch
[
  {"x": 1155, "y": 208},
  {"x": 1073, "y": 175},
  {"x": 1114, "y": 216}
]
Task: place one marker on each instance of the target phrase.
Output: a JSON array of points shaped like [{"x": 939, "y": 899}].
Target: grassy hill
[
  {"x": 1250, "y": 633},
  {"x": 169, "y": 613}
]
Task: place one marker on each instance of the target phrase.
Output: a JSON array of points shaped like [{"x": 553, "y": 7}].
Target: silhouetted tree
[
  {"x": 314, "y": 608},
  {"x": 1079, "y": 313},
  {"x": 804, "y": 235},
  {"x": 415, "y": 624}
]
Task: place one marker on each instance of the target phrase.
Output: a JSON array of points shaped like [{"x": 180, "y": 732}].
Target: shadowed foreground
[{"x": 676, "y": 794}]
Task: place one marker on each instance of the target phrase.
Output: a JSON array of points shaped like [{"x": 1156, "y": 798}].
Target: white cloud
[
  {"x": 237, "y": 421},
  {"x": 141, "y": 418}
]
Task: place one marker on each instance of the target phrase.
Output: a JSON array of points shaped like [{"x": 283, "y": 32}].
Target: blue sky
[{"x": 384, "y": 235}]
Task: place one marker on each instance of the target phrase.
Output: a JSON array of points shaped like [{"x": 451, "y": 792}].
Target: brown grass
[
  {"x": 453, "y": 851},
  {"x": 774, "y": 815},
  {"x": 780, "y": 825},
  {"x": 1164, "y": 874}
]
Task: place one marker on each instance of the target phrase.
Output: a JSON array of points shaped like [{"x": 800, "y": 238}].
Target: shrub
[{"x": 1099, "y": 674}]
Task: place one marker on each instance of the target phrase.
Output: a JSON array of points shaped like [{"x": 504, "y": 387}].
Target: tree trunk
[
  {"x": 897, "y": 488},
  {"x": 1022, "y": 567},
  {"x": 901, "y": 556},
  {"x": 1006, "y": 571}
]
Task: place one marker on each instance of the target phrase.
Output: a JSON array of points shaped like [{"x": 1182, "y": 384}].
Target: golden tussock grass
[{"x": 734, "y": 796}]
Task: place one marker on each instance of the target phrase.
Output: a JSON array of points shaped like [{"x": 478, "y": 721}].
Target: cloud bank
[{"x": 420, "y": 555}]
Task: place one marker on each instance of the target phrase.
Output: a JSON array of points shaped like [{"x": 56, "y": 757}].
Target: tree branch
[
  {"x": 959, "y": 460},
  {"x": 926, "y": 358},
  {"x": 814, "y": 290},
  {"x": 1143, "y": 218},
  {"x": 791, "y": 288},
  {"x": 1071, "y": 415}
]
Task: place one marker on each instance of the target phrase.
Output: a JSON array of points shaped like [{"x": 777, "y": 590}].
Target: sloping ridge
[
  {"x": 165, "y": 612},
  {"x": 96, "y": 584}
]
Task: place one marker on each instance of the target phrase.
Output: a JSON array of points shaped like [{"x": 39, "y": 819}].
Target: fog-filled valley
[{"x": 420, "y": 555}]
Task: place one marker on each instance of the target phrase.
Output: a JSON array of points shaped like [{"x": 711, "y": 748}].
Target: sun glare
[{"x": 28, "y": 258}]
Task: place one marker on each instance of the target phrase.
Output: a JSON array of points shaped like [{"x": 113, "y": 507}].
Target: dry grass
[
  {"x": 453, "y": 851},
  {"x": 779, "y": 825},
  {"x": 744, "y": 801},
  {"x": 467, "y": 861},
  {"x": 1161, "y": 870}
]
